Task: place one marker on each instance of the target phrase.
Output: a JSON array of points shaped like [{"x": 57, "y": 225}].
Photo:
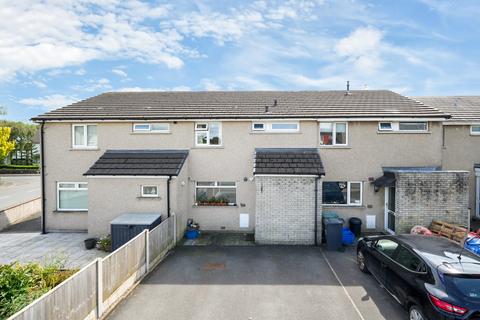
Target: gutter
[{"x": 42, "y": 171}]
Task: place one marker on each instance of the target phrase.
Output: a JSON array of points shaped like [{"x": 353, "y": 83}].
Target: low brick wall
[
  {"x": 20, "y": 212},
  {"x": 425, "y": 196},
  {"x": 285, "y": 208}
]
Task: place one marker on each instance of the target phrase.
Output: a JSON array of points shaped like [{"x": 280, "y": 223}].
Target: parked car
[{"x": 431, "y": 277}]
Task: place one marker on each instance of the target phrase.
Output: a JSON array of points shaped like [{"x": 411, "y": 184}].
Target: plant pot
[{"x": 90, "y": 243}]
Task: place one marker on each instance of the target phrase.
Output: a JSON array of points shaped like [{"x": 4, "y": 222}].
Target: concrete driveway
[{"x": 258, "y": 282}]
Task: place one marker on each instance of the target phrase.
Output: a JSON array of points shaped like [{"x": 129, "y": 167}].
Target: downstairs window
[
  {"x": 342, "y": 193},
  {"x": 215, "y": 193},
  {"x": 72, "y": 196}
]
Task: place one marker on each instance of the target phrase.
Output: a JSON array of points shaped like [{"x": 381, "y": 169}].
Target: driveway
[
  {"x": 257, "y": 282},
  {"x": 17, "y": 189}
]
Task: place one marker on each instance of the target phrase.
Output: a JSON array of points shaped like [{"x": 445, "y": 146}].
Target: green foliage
[
  {"x": 105, "y": 243},
  {"x": 23, "y": 134},
  {"x": 20, "y": 284},
  {"x": 6, "y": 145},
  {"x": 20, "y": 167}
]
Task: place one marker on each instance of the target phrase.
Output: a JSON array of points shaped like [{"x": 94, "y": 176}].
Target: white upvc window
[
  {"x": 348, "y": 193},
  {"x": 276, "y": 126},
  {"x": 333, "y": 133},
  {"x": 403, "y": 126},
  {"x": 208, "y": 134},
  {"x": 158, "y": 127},
  {"x": 215, "y": 193},
  {"x": 72, "y": 196},
  {"x": 150, "y": 191},
  {"x": 475, "y": 129},
  {"x": 84, "y": 136}
]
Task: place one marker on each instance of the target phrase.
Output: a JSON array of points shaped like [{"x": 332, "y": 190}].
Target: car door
[
  {"x": 382, "y": 253},
  {"x": 405, "y": 274}
]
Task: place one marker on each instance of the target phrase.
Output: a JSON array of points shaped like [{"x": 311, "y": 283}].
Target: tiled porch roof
[{"x": 288, "y": 161}]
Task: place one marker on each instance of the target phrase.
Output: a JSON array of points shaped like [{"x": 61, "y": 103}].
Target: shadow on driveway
[{"x": 258, "y": 282}]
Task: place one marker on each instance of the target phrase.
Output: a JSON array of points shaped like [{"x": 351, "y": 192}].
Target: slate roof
[
  {"x": 461, "y": 108},
  {"x": 288, "y": 161},
  {"x": 139, "y": 163},
  {"x": 242, "y": 105}
]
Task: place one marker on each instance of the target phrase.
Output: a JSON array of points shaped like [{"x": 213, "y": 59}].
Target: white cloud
[
  {"x": 141, "y": 89},
  {"x": 49, "y": 102},
  {"x": 92, "y": 85},
  {"x": 39, "y": 84},
  {"x": 210, "y": 85},
  {"x": 120, "y": 73}
]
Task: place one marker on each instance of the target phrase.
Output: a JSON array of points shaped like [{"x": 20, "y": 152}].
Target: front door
[{"x": 390, "y": 209}]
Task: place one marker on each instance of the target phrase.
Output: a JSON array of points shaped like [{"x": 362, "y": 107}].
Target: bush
[
  {"x": 19, "y": 167},
  {"x": 22, "y": 284}
]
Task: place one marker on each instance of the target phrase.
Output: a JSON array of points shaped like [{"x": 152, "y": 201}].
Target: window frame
[
  {"x": 475, "y": 133},
  {"x": 268, "y": 126},
  {"x": 422, "y": 262},
  {"x": 217, "y": 185},
  {"x": 395, "y": 127},
  {"x": 150, "y": 130},
  {"x": 334, "y": 134},
  {"x": 85, "y": 136},
  {"x": 147, "y": 195},
  {"x": 206, "y": 130},
  {"x": 349, "y": 203},
  {"x": 383, "y": 122},
  {"x": 76, "y": 188}
]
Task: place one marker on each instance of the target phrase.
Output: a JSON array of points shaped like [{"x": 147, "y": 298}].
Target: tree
[
  {"x": 23, "y": 134},
  {"x": 6, "y": 146}
]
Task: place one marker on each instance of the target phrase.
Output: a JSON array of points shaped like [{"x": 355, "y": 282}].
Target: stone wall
[
  {"x": 425, "y": 196},
  {"x": 285, "y": 208}
]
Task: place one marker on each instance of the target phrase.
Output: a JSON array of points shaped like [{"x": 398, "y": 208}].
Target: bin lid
[
  {"x": 136, "y": 218},
  {"x": 333, "y": 221},
  {"x": 355, "y": 220}
]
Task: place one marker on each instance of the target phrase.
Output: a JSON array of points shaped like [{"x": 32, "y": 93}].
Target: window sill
[
  {"x": 343, "y": 205},
  {"x": 275, "y": 132},
  {"x": 152, "y": 198},
  {"x": 70, "y": 211},
  {"x": 214, "y": 206},
  {"x": 208, "y": 147},
  {"x": 85, "y": 149},
  {"x": 335, "y": 147},
  {"x": 148, "y": 133},
  {"x": 404, "y": 132}
]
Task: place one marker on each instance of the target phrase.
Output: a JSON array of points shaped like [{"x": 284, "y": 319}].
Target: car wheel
[
  {"x": 416, "y": 313},
  {"x": 361, "y": 262}
]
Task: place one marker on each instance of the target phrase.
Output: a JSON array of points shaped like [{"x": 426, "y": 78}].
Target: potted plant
[
  {"x": 105, "y": 243},
  {"x": 90, "y": 243}
]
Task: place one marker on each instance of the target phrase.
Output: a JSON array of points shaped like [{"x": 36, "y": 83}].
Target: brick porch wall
[
  {"x": 285, "y": 209},
  {"x": 425, "y": 196}
]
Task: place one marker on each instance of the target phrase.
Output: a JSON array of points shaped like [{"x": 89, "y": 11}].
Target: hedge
[{"x": 19, "y": 169}]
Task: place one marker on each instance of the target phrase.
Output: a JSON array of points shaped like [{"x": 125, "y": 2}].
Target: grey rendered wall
[
  {"x": 461, "y": 151},
  {"x": 285, "y": 210},
  {"x": 367, "y": 152},
  {"x": 423, "y": 197},
  {"x": 109, "y": 198},
  {"x": 364, "y": 157}
]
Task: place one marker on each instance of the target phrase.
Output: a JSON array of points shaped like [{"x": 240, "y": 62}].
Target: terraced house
[{"x": 263, "y": 162}]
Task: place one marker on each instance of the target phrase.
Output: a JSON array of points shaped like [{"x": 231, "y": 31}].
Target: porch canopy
[
  {"x": 139, "y": 163},
  {"x": 388, "y": 179},
  {"x": 288, "y": 161}
]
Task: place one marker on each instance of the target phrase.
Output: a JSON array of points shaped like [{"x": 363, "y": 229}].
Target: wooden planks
[{"x": 449, "y": 230}]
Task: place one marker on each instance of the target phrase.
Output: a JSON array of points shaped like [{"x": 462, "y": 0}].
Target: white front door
[{"x": 390, "y": 209}]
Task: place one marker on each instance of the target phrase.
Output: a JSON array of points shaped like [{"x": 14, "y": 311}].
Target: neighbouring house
[
  {"x": 461, "y": 140},
  {"x": 264, "y": 162}
]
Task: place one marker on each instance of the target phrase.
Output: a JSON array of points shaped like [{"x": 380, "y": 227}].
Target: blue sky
[{"x": 56, "y": 52}]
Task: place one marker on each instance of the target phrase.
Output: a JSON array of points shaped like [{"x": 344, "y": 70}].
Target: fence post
[
  {"x": 99, "y": 288},
  {"x": 147, "y": 250},
  {"x": 174, "y": 229}
]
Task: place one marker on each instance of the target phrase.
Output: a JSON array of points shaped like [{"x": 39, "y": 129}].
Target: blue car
[{"x": 431, "y": 277}]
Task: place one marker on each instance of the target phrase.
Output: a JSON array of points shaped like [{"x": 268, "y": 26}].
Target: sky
[{"x": 56, "y": 52}]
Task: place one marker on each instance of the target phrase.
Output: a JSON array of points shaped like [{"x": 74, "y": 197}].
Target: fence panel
[
  {"x": 160, "y": 239},
  {"x": 76, "y": 298},
  {"x": 121, "y": 264}
]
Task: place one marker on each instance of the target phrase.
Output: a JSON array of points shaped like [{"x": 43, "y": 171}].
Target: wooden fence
[{"x": 98, "y": 287}]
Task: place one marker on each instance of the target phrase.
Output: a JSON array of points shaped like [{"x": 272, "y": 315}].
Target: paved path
[
  {"x": 27, "y": 247},
  {"x": 17, "y": 189},
  {"x": 250, "y": 283}
]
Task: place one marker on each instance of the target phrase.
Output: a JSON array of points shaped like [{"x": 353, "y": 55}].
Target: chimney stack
[{"x": 347, "y": 93}]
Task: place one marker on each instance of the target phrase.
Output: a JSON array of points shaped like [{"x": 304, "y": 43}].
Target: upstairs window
[
  {"x": 475, "y": 129},
  {"x": 282, "y": 127},
  {"x": 333, "y": 133},
  {"x": 342, "y": 193},
  {"x": 84, "y": 136},
  {"x": 151, "y": 127},
  {"x": 416, "y": 126},
  {"x": 208, "y": 134}
]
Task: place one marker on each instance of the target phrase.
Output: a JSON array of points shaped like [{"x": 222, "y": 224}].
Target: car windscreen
[{"x": 467, "y": 286}]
